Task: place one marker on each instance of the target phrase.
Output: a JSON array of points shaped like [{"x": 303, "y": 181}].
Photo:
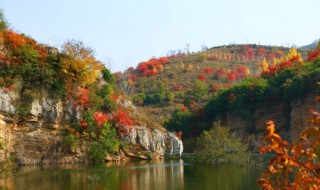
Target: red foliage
[
  {"x": 216, "y": 87},
  {"x": 232, "y": 76},
  {"x": 122, "y": 118},
  {"x": 2, "y": 55},
  {"x": 130, "y": 69},
  {"x": 183, "y": 108},
  {"x": 262, "y": 51},
  {"x": 232, "y": 97},
  {"x": 84, "y": 123},
  {"x": 228, "y": 57},
  {"x": 79, "y": 97},
  {"x": 192, "y": 102},
  {"x": 152, "y": 66},
  {"x": 241, "y": 71},
  {"x": 118, "y": 74},
  {"x": 178, "y": 87},
  {"x": 270, "y": 56},
  {"x": 114, "y": 97},
  {"x": 201, "y": 77},
  {"x": 279, "y": 53},
  {"x": 213, "y": 58},
  {"x": 208, "y": 70},
  {"x": 312, "y": 55},
  {"x": 220, "y": 72},
  {"x": 100, "y": 118},
  {"x": 133, "y": 77},
  {"x": 250, "y": 52}
]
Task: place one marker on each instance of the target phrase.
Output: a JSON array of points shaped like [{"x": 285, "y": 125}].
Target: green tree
[
  {"x": 170, "y": 97},
  {"x": 218, "y": 145},
  {"x": 199, "y": 90},
  {"x": 108, "y": 76},
  {"x": 181, "y": 121},
  {"x": 3, "y": 22}
]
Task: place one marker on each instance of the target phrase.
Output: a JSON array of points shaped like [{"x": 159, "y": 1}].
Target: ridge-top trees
[
  {"x": 3, "y": 22},
  {"x": 79, "y": 66}
]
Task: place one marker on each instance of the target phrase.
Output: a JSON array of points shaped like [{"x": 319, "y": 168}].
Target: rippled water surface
[{"x": 166, "y": 175}]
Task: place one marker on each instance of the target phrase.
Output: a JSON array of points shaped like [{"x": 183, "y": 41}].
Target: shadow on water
[{"x": 165, "y": 174}]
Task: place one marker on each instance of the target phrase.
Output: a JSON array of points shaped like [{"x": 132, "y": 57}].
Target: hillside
[
  {"x": 187, "y": 80},
  {"x": 63, "y": 107},
  {"x": 285, "y": 92},
  {"x": 313, "y": 45}
]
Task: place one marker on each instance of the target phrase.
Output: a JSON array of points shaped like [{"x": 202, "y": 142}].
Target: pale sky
[{"x": 126, "y": 32}]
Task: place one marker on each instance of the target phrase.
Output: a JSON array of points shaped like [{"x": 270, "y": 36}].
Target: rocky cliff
[
  {"x": 290, "y": 119},
  {"x": 38, "y": 138}
]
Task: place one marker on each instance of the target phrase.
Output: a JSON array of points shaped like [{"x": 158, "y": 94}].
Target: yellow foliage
[
  {"x": 294, "y": 54},
  {"x": 264, "y": 65},
  {"x": 247, "y": 72},
  {"x": 79, "y": 66}
]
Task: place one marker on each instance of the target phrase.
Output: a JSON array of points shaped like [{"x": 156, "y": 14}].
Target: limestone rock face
[
  {"x": 6, "y": 102},
  {"x": 290, "y": 119},
  {"x": 154, "y": 140},
  {"x": 38, "y": 138}
]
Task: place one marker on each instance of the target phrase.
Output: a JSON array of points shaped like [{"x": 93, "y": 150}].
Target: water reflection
[
  {"x": 155, "y": 175},
  {"x": 123, "y": 176}
]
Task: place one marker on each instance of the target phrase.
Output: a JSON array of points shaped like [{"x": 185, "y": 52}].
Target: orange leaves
[
  {"x": 294, "y": 166},
  {"x": 9, "y": 88},
  {"x": 13, "y": 46},
  {"x": 270, "y": 127},
  {"x": 315, "y": 121},
  {"x": 13, "y": 41},
  {"x": 100, "y": 118}
]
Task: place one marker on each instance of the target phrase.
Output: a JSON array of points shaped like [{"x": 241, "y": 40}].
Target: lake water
[{"x": 149, "y": 175}]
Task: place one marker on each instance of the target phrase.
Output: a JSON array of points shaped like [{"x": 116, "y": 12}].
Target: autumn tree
[
  {"x": 294, "y": 166},
  {"x": 78, "y": 65}
]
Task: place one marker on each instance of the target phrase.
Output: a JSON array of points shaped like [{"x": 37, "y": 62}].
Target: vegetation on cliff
[
  {"x": 72, "y": 75},
  {"x": 285, "y": 80}
]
